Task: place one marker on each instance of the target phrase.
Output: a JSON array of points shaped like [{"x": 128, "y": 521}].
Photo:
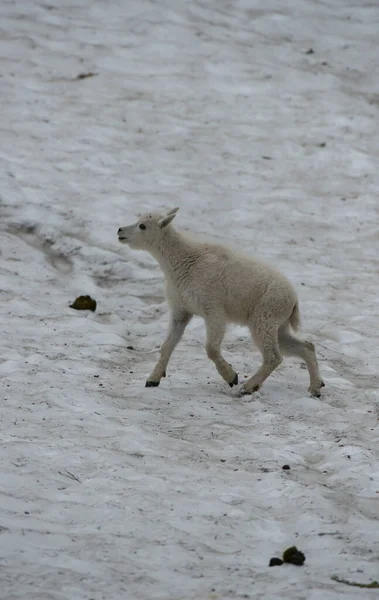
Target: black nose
[{"x": 119, "y": 231}]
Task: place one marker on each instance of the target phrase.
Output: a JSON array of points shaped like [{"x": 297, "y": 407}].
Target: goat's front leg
[
  {"x": 179, "y": 321},
  {"x": 216, "y": 327}
]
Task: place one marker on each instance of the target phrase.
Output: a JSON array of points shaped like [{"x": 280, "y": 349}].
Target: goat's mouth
[{"x": 121, "y": 238}]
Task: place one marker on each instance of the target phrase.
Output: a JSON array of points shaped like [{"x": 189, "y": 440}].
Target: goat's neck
[{"x": 173, "y": 252}]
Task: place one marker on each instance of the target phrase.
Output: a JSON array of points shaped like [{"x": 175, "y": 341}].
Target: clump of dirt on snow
[{"x": 84, "y": 303}]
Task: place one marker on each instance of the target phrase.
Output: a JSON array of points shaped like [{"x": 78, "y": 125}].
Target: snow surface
[{"x": 110, "y": 490}]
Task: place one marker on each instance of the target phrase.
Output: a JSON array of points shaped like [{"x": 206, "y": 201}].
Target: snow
[{"x": 111, "y": 490}]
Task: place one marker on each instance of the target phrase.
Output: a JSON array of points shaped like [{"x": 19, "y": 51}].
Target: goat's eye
[{"x": 142, "y": 226}]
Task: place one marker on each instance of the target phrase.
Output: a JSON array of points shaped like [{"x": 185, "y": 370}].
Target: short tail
[{"x": 294, "y": 319}]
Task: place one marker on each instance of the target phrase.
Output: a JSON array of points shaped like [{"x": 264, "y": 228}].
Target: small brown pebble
[
  {"x": 286, "y": 467},
  {"x": 84, "y": 303},
  {"x": 275, "y": 562},
  {"x": 310, "y": 51},
  {"x": 130, "y": 347}
]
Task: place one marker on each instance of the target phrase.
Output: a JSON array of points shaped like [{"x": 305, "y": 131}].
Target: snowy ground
[{"x": 110, "y": 490}]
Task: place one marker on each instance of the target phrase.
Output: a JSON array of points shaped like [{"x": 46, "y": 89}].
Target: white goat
[{"x": 222, "y": 286}]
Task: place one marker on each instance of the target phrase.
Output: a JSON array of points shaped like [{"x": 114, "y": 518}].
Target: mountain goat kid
[{"x": 222, "y": 286}]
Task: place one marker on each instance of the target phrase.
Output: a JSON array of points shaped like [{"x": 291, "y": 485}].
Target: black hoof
[
  {"x": 235, "y": 381},
  {"x": 322, "y": 384},
  {"x": 151, "y": 383},
  {"x": 244, "y": 392}
]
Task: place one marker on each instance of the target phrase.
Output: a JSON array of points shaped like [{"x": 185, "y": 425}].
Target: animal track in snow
[{"x": 30, "y": 235}]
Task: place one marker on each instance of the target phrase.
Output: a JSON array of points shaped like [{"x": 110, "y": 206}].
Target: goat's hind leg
[
  {"x": 216, "y": 327},
  {"x": 178, "y": 323},
  {"x": 293, "y": 346},
  {"x": 266, "y": 338}
]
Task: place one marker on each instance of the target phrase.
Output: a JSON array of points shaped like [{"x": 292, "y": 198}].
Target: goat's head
[{"x": 147, "y": 231}]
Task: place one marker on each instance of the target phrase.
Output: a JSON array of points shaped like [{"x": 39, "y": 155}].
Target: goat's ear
[
  {"x": 166, "y": 220},
  {"x": 173, "y": 211}
]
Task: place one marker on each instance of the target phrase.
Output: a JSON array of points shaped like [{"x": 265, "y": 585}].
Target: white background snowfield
[{"x": 260, "y": 120}]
